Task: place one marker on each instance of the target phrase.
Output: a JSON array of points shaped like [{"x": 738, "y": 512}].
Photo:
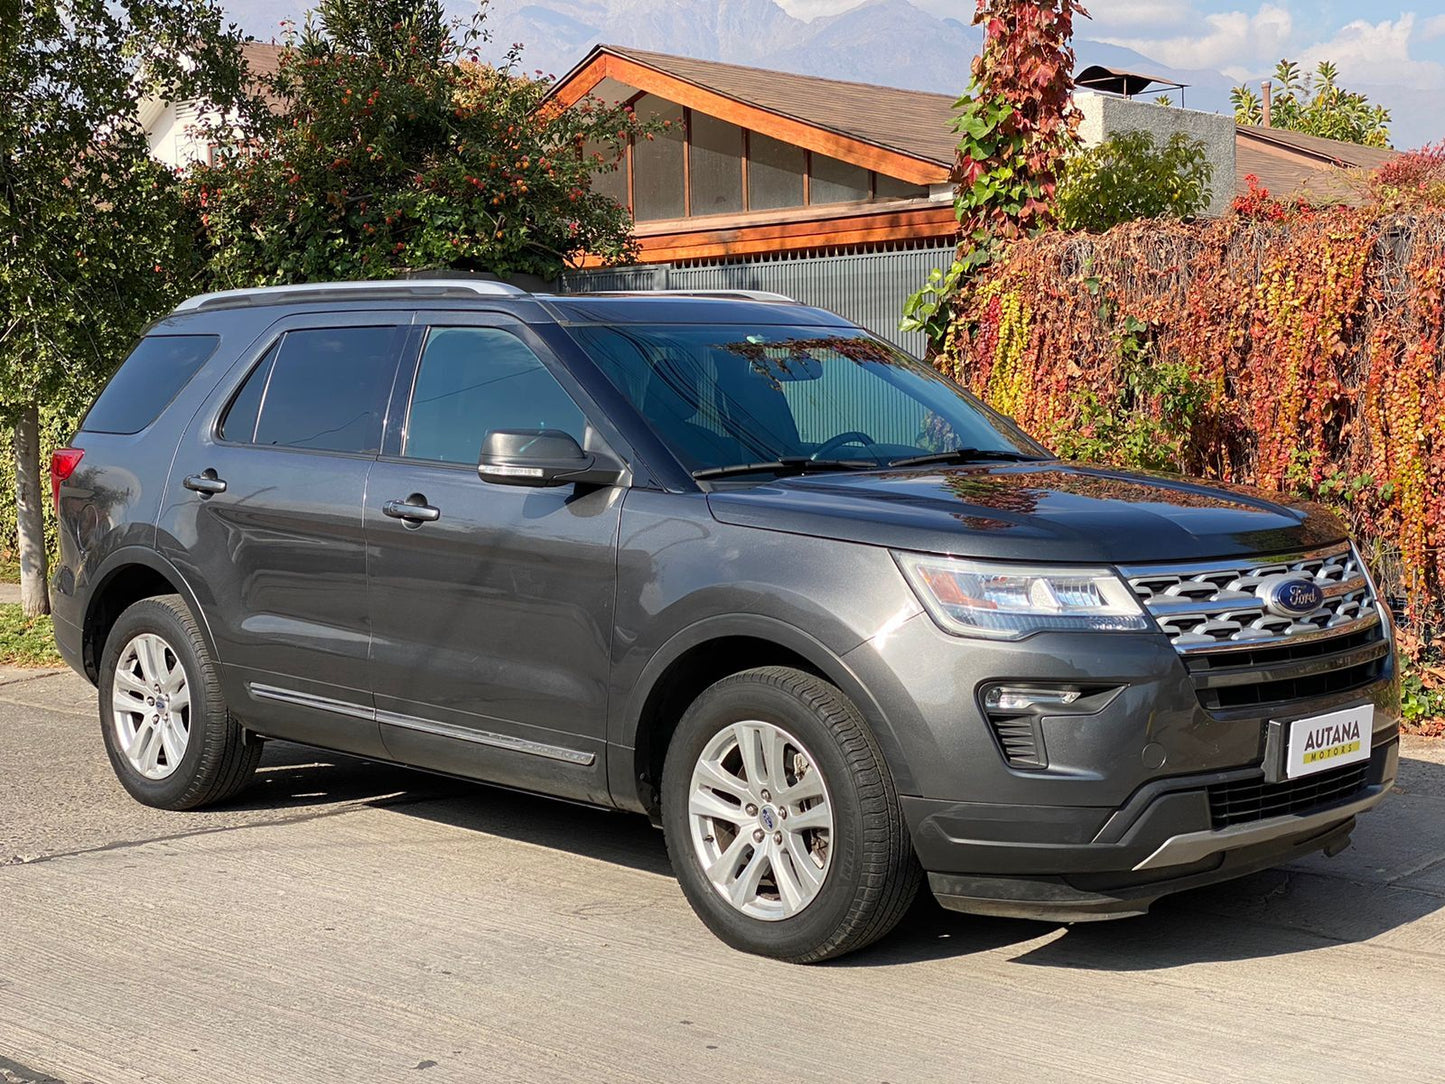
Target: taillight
[{"x": 63, "y": 462}]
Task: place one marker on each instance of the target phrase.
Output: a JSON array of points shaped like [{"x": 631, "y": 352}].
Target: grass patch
[
  {"x": 26, "y": 641},
  {"x": 9, "y": 570}
]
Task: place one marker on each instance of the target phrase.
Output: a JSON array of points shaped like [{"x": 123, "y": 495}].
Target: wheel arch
[
  {"x": 703, "y": 654},
  {"x": 127, "y": 576}
]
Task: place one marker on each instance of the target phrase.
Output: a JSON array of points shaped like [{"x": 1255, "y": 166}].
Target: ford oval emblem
[{"x": 1292, "y": 597}]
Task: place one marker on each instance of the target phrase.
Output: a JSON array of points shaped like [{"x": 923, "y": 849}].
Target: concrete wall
[{"x": 1106, "y": 115}]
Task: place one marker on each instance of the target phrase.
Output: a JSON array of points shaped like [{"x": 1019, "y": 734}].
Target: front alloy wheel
[
  {"x": 760, "y": 819},
  {"x": 782, "y": 821}
]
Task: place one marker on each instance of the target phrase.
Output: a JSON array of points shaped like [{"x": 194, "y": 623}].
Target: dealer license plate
[{"x": 1322, "y": 742}]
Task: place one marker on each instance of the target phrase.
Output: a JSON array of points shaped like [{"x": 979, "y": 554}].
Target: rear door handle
[
  {"x": 414, "y": 510},
  {"x": 206, "y": 483}
]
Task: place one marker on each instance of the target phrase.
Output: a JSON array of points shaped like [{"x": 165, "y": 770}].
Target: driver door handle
[{"x": 412, "y": 513}]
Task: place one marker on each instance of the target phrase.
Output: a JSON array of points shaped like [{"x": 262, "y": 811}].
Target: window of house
[
  {"x": 325, "y": 388},
  {"x": 611, "y": 180},
  {"x": 892, "y": 188},
  {"x": 472, "y": 380},
  {"x": 154, "y": 374},
  {"x": 716, "y": 167},
  {"x": 657, "y": 163},
  {"x": 835, "y": 181},
  {"x": 775, "y": 173}
]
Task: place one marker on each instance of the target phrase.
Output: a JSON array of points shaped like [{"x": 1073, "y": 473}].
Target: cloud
[
  {"x": 1433, "y": 28},
  {"x": 1377, "y": 53},
  {"x": 1234, "y": 42}
]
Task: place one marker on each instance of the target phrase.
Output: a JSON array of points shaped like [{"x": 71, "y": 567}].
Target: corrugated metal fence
[{"x": 868, "y": 288}]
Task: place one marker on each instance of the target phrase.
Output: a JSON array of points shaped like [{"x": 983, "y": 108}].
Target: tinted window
[
  {"x": 735, "y": 394},
  {"x": 328, "y": 389},
  {"x": 240, "y": 421},
  {"x": 473, "y": 380},
  {"x": 147, "y": 381}
]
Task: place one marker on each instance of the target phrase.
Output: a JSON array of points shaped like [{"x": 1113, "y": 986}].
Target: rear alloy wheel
[
  {"x": 781, "y": 818},
  {"x": 151, "y": 706},
  {"x": 167, "y": 732}
]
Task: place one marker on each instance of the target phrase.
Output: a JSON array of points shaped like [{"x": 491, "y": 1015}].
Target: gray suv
[{"x": 727, "y": 561}]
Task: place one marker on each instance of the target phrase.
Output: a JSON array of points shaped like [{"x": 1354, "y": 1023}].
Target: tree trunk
[{"x": 30, "y": 514}]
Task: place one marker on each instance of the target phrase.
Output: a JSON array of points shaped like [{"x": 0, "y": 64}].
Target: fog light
[{"x": 1027, "y": 698}]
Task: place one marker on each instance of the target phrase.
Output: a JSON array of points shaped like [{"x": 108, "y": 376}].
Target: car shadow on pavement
[{"x": 1276, "y": 912}]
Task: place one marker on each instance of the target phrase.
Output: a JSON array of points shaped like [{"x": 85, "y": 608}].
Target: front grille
[
  {"x": 1216, "y": 605},
  {"x": 1255, "y": 800}
]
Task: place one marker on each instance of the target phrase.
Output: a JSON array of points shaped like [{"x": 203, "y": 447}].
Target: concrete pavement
[{"x": 346, "y": 921}]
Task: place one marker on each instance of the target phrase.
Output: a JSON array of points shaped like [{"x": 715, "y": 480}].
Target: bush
[
  {"x": 1129, "y": 176},
  {"x": 57, "y": 426},
  {"x": 1291, "y": 350}
]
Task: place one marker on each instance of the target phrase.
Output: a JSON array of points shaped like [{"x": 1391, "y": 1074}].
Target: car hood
[{"x": 1047, "y": 511}]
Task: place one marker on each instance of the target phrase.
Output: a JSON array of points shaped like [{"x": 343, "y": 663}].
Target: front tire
[
  {"x": 170, "y": 739},
  {"x": 782, "y": 821}
]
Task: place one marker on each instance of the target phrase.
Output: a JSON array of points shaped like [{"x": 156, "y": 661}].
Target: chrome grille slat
[{"x": 1211, "y": 605}]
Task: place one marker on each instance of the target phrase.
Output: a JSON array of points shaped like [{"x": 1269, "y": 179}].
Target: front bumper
[{"x": 1159, "y": 842}]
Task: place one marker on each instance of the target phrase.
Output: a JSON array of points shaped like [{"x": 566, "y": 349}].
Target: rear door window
[
  {"x": 322, "y": 388},
  {"x": 154, "y": 374}
]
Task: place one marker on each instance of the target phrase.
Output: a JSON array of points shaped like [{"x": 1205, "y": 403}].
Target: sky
[{"x": 1371, "y": 43}]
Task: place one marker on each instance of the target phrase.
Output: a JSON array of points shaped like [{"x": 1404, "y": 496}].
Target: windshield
[{"x": 730, "y": 395}]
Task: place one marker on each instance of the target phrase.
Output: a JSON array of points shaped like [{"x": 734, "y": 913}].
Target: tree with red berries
[{"x": 392, "y": 148}]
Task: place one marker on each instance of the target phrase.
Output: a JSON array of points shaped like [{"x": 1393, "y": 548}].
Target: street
[{"x": 346, "y": 921}]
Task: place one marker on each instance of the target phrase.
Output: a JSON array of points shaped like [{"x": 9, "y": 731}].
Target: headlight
[{"x": 1009, "y": 602}]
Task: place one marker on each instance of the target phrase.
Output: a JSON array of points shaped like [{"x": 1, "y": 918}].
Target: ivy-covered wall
[{"x": 1290, "y": 349}]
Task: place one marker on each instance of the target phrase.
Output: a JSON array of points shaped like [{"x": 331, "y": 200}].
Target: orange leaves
[{"x": 1322, "y": 337}]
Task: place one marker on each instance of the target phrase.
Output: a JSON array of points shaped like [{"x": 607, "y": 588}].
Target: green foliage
[
  {"x": 1315, "y": 104},
  {"x": 57, "y": 425},
  {"x": 394, "y": 149},
  {"x": 26, "y": 641},
  {"x": 1148, "y": 419},
  {"x": 93, "y": 238},
  {"x": 1130, "y": 176},
  {"x": 1422, "y": 690},
  {"x": 92, "y": 244}
]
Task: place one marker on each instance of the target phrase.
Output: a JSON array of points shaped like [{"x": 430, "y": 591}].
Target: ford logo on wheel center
[{"x": 1291, "y": 597}]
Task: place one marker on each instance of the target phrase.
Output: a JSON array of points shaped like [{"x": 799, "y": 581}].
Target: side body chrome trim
[
  {"x": 311, "y": 700},
  {"x": 486, "y": 737},
  {"x": 424, "y": 726}
]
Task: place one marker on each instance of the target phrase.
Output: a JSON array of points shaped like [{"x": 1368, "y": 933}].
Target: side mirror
[{"x": 542, "y": 457}]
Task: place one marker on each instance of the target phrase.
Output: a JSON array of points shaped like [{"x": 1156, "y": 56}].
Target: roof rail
[
  {"x": 743, "y": 295},
  {"x": 335, "y": 291}
]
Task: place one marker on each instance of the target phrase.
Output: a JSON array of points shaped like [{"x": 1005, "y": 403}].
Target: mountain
[{"x": 891, "y": 42}]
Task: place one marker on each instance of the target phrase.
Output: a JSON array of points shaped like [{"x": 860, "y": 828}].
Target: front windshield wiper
[
  {"x": 967, "y": 455},
  {"x": 787, "y": 465}
]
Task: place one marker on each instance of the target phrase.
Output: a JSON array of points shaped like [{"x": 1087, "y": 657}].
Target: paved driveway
[{"x": 352, "y": 922}]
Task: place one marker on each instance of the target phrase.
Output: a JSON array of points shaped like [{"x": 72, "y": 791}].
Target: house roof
[
  {"x": 262, "y": 59},
  {"x": 1291, "y": 163},
  {"x": 915, "y": 123},
  {"x": 911, "y": 127}
]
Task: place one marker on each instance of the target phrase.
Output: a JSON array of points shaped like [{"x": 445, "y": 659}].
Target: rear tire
[
  {"x": 169, "y": 736},
  {"x": 806, "y": 857}
]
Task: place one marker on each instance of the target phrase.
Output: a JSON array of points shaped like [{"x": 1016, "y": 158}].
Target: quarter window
[
  {"x": 472, "y": 380},
  {"x": 154, "y": 374},
  {"x": 324, "y": 389}
]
